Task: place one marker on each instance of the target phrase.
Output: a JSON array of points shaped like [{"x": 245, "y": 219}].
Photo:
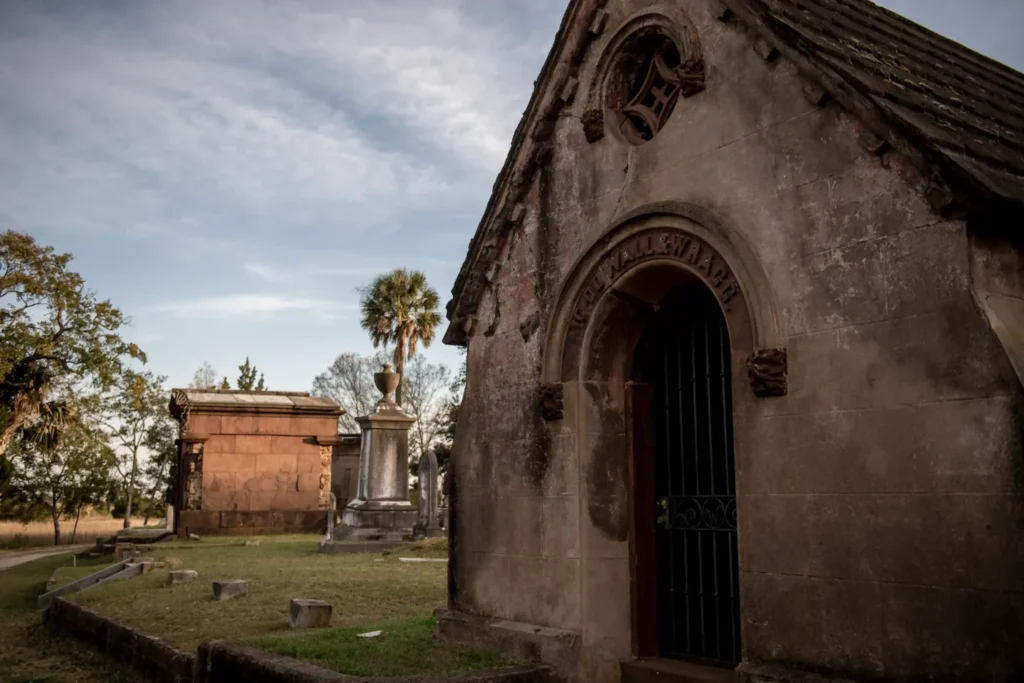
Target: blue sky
[{"x": 229, "y": 172}]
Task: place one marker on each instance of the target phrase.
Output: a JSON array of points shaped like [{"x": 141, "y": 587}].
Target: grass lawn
[
  {"x": 368, "y": 591},
  {"x": 28, "y": 653}
]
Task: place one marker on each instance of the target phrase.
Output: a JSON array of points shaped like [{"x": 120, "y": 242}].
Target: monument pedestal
[
  {"x": 381, "y": 511},
  {"x": 366, "y": 520}
]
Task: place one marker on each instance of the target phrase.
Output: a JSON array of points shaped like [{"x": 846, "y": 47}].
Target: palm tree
[{"x": 399, "y": 308}]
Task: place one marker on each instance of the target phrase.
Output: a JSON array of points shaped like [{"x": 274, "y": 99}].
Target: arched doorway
[
  {"x": 638, "y": 275},
  {"x": 685, "y": 482}
]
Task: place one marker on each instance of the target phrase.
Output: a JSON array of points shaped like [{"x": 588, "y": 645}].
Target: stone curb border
[
  {"x": 119, "y": 570},
  {"x": 154, "y": 660},
  {"x": 157, "y": 662}
]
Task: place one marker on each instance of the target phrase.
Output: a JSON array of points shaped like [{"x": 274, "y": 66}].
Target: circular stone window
[{"x": 646, "y": 82}]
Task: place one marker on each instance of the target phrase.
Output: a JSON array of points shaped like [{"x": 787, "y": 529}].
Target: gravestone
[
  {"x": 226, "y": 590},
  {"x": 332, "y": 512},
  {"x": 427, "y": 523},
  {"x": 309, "y": 613},
  {"x": 182, "y": 576}
]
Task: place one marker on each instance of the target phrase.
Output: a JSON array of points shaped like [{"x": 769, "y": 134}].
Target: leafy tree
[
  {"x": 205, "y": 377},
  {"x": 247, "y": 378},
  {"x": 349, "y": 383},
  {"x": 225, "y": 385},
  {"x": 449, "y": 418},
  {"x": 159, "y": 470},
  {"x": 399, "y": 308},
  {"x": 51, "y": 329},
  {"x": 64, "y": 475},
  {"x": 425, "y": 390},
  {"x": 134, "y": 412}
]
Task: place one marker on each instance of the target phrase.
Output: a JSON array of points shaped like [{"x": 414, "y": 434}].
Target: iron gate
[{"x": 694, "y": 481}]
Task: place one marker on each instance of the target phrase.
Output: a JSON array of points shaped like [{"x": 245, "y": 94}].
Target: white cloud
[
  {"x": 284, "y": 113},
  {"x": 253, "y": 306},
  {"x": 266, "y": 273}
]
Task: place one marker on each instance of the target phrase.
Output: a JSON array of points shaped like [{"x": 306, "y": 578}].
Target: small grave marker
[
  {"x": 227, "y": 590},
  {"x": 309, "y": 613},
  {"x": 182, "y": 576}
]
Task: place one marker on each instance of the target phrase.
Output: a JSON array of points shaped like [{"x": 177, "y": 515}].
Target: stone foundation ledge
[
  {"x": 155, "y": 661},
  {"x": 747, "y": 672},
  {"x": 553, "y": 647}
]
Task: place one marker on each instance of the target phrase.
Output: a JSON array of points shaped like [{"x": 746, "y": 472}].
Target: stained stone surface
[
  {"x": 182, "y": 576},
  {"x": 227, "y": 590},
  {"x": 309, "y": 613}
]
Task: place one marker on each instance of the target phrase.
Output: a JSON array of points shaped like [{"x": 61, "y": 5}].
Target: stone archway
[
  {"x": 675, "y": 235},
  {"x": 607, "y": 302}
]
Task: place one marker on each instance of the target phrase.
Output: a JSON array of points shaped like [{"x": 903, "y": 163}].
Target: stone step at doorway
[{"x": 657, "y": 670}]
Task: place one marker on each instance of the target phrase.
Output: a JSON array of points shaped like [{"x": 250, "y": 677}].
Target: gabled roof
[
  {"x": 957, "y": 114},
  {"x": 249, "y": 402},
  {"x": 964, "y": 110}
]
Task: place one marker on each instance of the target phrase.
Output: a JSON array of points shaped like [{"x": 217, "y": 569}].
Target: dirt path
[{"x": 8, "y": 560}]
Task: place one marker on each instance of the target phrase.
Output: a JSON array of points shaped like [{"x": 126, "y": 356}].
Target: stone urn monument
[{"x": 381, "y": 510}]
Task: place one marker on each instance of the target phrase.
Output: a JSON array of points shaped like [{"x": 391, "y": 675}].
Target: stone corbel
[
  {"x": 551, "y": 404},
  {"x": 593, "y": 125},
  {"x": 768, "y": 372}
]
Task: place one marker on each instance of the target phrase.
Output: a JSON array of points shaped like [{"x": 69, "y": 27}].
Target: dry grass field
[{"x": 17, "y": 535}]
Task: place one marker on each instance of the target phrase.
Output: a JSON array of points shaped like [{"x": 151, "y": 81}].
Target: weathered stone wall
[
  {"x": 880, "y": 502},
  {"x": 256, "y": 465}
]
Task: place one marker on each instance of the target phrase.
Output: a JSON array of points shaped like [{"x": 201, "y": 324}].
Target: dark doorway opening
[{"x": 686, "y": 581}]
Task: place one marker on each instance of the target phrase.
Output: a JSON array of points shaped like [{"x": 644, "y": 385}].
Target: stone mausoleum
[
  {"x": 259, "y": 462},
  {"x": 745, "y": 337}
]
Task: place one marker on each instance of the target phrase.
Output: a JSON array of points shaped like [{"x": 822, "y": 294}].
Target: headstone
[
  {"x": 427, "y": 524},
  {"x": 381, "y": 511},
  {"x": 151, "y": 566},
  {"x": 182, "y": 576},
  {"x": 309, "y": 613},
  {"x": 226, "y": 590},
  {"x": 169, "y": 524},
  {"x": 331, "y": 512},
  {"x": 193, "y": 537},
  {"x": 252, "y": 541}
]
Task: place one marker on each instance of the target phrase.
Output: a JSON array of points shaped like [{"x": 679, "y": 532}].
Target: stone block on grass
[
  {"x": 182, "y": 576},
  {"x": 227, "y": 590},
  {"x": 252, "y": 541},
  {"x": 151, "y": 566},
  {"x": 309, "y": 613},
  {"x": 125, "y": 551}
]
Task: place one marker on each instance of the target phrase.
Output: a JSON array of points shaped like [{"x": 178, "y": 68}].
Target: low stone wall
[
  {"x": 151, "y": 658},
  {"x": 220, "y": 661},
  {"x": 157, "y": 662},
  {"x": 251, "y": 522}
]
